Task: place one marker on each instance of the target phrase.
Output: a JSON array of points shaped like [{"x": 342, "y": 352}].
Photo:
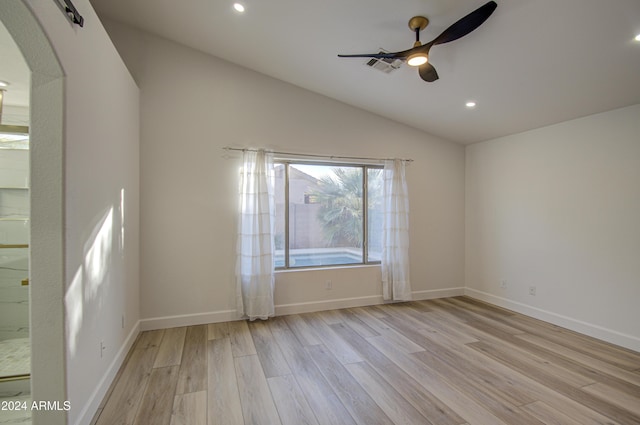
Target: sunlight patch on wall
[
  {"x": 122, "y": 222},
  {"x": 98, "y": 257},
  {"x": 74, "y": 310},
  {"x": 88, "y": 279}
]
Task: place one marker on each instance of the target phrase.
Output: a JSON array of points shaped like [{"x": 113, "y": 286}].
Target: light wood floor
[{"x": 449, "y": 361}]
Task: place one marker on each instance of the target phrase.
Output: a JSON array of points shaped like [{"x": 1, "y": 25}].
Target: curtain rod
[{"x": 307, "y": 155}]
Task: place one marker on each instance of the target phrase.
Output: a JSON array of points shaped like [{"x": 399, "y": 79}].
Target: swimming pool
[{"x": 310, "y": 259}]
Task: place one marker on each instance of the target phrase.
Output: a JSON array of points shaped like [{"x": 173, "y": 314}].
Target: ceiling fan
[{"x": 419, "y": 54}]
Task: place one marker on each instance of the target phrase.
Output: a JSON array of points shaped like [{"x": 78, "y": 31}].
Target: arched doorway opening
[{"x": 46, "y": 243}]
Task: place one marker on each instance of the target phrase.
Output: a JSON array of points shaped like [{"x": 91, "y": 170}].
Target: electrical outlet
[
  {"x": 532, "y": 290},
  {"x": 328, "y": 285},
  {"x": 503, "y": 284}
]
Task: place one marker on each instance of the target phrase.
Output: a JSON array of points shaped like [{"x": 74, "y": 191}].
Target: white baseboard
[
  {"x": 230, "y": 315},
  {"x": 90, "y": 409},
  {"x": 309, "y": 307},
  {"x": 187, "y": 320},
  {"x": 437, "y": 293},
  {"x": 599, "y": 332},
  {"x": 284, "y": 309}
]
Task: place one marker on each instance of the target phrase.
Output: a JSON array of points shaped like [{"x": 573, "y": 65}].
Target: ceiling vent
[{"x": 385, "y": 65}]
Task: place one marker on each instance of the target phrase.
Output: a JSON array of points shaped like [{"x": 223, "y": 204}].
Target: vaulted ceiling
[{"x": 531, "y": 64}]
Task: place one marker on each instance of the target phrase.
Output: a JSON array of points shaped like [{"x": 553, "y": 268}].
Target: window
[{"x": 321, "y": 218}]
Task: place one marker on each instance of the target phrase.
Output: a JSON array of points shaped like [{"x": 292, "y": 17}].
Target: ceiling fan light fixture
[
  {"x": 417, "y": 59},
  {"x": 418, "y": 56}
]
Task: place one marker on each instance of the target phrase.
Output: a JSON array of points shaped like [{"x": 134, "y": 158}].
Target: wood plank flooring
[{"x": 453, "y": 361}]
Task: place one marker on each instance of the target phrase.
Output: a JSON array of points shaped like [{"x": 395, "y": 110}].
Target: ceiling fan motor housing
[{"x": 418, "y": 23}]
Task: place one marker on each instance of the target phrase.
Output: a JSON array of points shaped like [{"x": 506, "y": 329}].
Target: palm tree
[{"x": 341, "y": 209}]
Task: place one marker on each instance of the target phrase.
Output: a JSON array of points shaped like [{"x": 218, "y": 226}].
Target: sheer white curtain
[
  {"x": 395, "y": 238},
  {"x": 254, "y": 266}
]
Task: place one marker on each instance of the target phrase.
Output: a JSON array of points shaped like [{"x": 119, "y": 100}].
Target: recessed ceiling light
[
  {"x": 637, "y": 37},
  {"x": 239, "y": 7},
  {"x": 470, "y": 104},
  {"x": 4, "y": 84}
]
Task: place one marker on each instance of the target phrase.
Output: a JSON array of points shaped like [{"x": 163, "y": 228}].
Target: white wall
[
  {"x": 98, "y": 100},
  {"x": 558, "y": 208},
  {"x": 192, "y": 105},
  {"x": 102, "y": 209}
]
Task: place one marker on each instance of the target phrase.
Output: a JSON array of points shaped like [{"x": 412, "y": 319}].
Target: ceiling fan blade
[
  {"x": 428, "y": 72},
  {"x": 467, "y": 24},
  {"x": 393, "y": 55}
]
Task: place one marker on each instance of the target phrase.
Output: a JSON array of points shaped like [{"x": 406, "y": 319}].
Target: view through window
[{"x": 327, "y": 214}]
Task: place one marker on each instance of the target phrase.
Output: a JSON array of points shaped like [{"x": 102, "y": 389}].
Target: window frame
[{"x": 365, "y": 213}]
